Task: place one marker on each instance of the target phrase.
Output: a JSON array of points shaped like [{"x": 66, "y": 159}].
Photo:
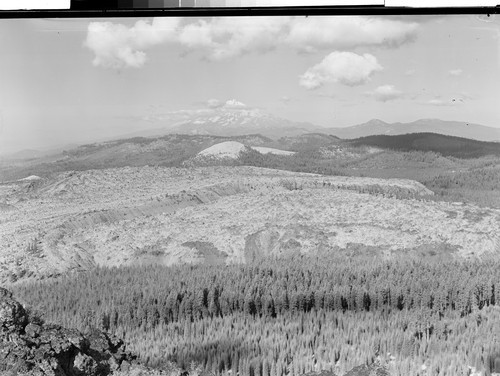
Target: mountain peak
[{"x": 235, "y": 118}]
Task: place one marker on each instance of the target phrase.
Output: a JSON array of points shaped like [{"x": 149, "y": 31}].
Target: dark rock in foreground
[
  {"x": 368, "y": 370},
  {"x": 374, "y": 369},
  {"x": 32, "y": 348},
  {"x": 320, "y": 373}
]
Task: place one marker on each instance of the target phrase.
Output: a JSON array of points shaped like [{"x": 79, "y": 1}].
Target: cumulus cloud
[
  {"x": 233, "y": 104},
  {"x": 118, "y": 45},
  {"x": 223, "y": 38},
  {"x": 410, "y": 72},
  {"x": 312, "y": 34},
  {"x": 455, "y": 72},
  {"x": 229, "y": 37},
  {"x": 346, "y": 68},
  {"x": 385, "y": 93}
]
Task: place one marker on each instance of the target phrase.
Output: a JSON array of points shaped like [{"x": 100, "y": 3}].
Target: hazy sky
[{"x": 75, "y": 80}]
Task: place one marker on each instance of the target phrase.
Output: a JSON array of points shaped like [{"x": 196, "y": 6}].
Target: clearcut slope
[{"x": 125, "y": 216}]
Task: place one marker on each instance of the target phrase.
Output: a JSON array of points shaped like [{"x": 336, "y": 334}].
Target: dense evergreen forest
[
  {"x": 450, "y": 146},
  {"x": 288, "y": 316}
]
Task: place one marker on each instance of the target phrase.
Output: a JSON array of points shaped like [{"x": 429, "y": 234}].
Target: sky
[{"x": 69, "y": 81}]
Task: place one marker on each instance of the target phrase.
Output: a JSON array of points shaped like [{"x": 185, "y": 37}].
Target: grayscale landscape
[{"x": 220, "y": 196}]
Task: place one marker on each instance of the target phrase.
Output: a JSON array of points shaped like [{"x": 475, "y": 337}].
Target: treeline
[
  {"x": 479, "y": 185},
  {"x": 480, "y": 178},
  {"x": 149, "y": 304}
]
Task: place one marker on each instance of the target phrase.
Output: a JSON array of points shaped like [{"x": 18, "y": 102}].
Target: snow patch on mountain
[{"x": 264, "y": 150}]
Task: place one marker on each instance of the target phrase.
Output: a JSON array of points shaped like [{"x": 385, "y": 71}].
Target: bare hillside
[{"x": 77, "y": 220}]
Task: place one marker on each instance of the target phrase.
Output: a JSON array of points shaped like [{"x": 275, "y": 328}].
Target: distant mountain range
[
  {"x": 273, "y": 131},
  {"x": 226, "y": 122},
  {"x": 449, "y": 128},
  {"x": 235, "y": 122}
]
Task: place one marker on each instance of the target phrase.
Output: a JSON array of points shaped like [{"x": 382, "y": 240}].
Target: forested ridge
[
  {"x": 458, "y": 147},
  {"x": 289, "y": 316}
]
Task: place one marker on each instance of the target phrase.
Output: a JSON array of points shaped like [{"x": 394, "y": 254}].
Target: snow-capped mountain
[
  {"x": 233, "y": 121},
  {"x": 230, "y": 118}
]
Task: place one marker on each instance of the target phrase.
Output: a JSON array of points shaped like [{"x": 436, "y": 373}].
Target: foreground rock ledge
[
  {"x": 35, "y": 349},
  {"x": 374, "y": 369},
  {"x": 31, "y": 348}
]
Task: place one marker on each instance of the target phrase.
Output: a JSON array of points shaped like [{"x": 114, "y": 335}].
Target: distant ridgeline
[
  {"x": 291, "y": 316},
  {"x": 449, "y": 146}
]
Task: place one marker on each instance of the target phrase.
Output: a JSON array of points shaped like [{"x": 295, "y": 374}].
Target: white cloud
[
  {"x": 317, "y": 33},
  {"x": 234, "y": 104},
  {"x": 223, "y": 38},
  {"x": 455, "y": 72},
  {"x": 385, "y": 93},
  {"x": 118, "y": 45},
  {"x": 410, "y": 72},
  {"x": 346, "y": 68},
  {"x": 231, "y": 104}
]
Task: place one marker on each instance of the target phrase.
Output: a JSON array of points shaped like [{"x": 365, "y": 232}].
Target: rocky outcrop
[
  {"x": 320, "y": 373},
  {"x": 373, "y": 369},
  {"x": 29, "y": 347}
]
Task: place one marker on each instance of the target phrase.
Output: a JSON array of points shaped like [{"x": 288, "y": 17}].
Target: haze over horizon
[{"x": 78, "y": 80}]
